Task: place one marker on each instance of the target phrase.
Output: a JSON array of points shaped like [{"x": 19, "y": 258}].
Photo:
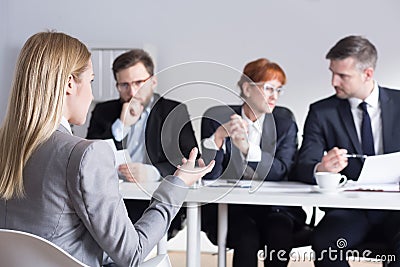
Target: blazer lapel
[
  {"x": 153, "y": 131},
  {"x": 348, "y": 122},
  {"x": 156, "y": 97},
  {"x": 388, "y": 120},
  {"x": 236, "y": 157},
  {"x": 268, "y": 136}
]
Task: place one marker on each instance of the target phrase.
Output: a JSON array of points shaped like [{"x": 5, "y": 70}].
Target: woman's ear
[
  {"x": 246, "y": 89},
  {"x": 71, "y": 86}
]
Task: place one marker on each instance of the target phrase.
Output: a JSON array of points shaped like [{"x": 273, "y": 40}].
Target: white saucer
[{"x": 316, "y": 188}]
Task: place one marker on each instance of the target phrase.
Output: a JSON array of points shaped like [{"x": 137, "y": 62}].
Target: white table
[{"x": 271, "y": 193}]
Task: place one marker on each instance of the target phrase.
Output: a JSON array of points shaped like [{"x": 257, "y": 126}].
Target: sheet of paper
[
  {"x": 111, "y": 143},
  {"x": 121, "y": 156},
  {"x": 285, "y": 187},
  {"x": 273, "y": 187},
  {"x": 227, "y": 183},
  {"x": 381, "y": 169}
]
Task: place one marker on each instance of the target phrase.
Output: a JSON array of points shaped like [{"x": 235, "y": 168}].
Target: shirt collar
[
  {"x": 372, "y": 100},
  {"x": 150, "y": 105},
  {"x": 258, "y": 124},
  {"x": 64, "y": 122}
]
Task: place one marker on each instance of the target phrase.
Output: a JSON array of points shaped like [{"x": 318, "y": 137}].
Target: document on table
[
  {"x": 382, "y": 169},
  {"x": 355, "y": 186},
  {"x": 380, "y": 172},
  {"x": 271, "y": 187},
  {"x": 111, "y": 143},
  {"x": 121, "y": 156},
  {"x": 227, "y": 183},
  {"x": 285, "y": 187}
]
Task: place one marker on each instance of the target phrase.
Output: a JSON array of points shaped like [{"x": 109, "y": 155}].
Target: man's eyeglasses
[
  {"x": 269, "y": 89},
  {"x": 135, "y": 84}
]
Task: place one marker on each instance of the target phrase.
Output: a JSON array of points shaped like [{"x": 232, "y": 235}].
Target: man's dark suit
[
  {"x": 251, "y": 227},
  {"x": 169, "y": 132},
  {"x": 330, "y": 124},
  {"x": 169, "y": 137}
]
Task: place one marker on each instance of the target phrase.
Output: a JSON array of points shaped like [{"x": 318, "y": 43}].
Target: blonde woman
[{"x": 65, "y": 188}]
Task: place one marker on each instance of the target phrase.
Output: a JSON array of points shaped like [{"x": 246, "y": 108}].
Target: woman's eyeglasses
[{"x": 269, "y": 89}]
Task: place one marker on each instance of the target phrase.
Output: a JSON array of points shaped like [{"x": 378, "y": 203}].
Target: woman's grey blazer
[{"x": 72, "y": 199}]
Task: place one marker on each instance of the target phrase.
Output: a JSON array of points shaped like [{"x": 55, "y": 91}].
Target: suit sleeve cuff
[
  {"x": 209, "y": 143},
  {"x": 172, "y": 191}
]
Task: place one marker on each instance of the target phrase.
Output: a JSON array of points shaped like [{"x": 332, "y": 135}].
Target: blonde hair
[{"x": 35, "y": 106}]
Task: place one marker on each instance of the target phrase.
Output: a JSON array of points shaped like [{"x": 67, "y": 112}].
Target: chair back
[{"x": 24, "y": 249}]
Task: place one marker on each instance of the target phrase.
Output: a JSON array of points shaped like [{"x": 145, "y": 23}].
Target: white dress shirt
[
  {"x": 64, "y": 122},
  {"x": 374, "y": 111}
]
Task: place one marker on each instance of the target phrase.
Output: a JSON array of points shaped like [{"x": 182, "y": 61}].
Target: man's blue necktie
[{"x": 367, "y": 139}]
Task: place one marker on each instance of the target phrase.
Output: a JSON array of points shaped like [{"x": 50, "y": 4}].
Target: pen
[{"x": 355, "y": 156}]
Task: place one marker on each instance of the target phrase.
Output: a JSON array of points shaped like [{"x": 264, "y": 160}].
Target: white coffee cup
[{"x": 330, "y": 180}]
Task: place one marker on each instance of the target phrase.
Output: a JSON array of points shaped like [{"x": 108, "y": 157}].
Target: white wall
[
  {"x": 295, "y": 33},
  {"x": 5, "y": 69}
]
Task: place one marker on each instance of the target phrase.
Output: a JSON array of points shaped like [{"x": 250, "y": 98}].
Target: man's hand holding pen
[
  {"x": 336, "y": 160},
  {"x": 333, "y": 161}
]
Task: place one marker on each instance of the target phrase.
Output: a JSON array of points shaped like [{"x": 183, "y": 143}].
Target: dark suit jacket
[
  {"x": 278, "y": 145},
  {"x": 330, "y": 123},
  {"x": 169, "y": 132}
]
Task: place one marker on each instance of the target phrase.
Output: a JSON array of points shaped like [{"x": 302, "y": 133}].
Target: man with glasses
[
  {"x": 361, "y": 118},
  {"x": 156, "y": 131}
]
